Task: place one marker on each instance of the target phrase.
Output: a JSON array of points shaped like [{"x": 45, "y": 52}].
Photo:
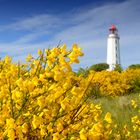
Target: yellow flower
[
  {"x": 55, "y": 52},
  {"x": 50, "y": 64},
  {"x": 29, "y": 58},
  {"x": 83, "y": 135},
  {"x": 56, "y": 136},
  {"x": 59, "y": 127},
  {"x": 40, "y": 52},
  {"x": 30, "y": 85},
  {"x": 95, "y": 136},
  {"x": 11, "y": 134},
  {"x": 16, "y": 95},
  {"x": 63, "y": 49},
  {"x": 135, "y": 127},
  {"x": 49, "y": 74},
  {"x": 27, "y": 114},
  {"x": 134, "y": 119},
  {"x": 98, "y": 106},
  {"x": 10, "y": 123},
  {"x": 58, "y": 76},
  {"x": 133, "y": 103},
  {"x": 43, "y": 132},
  {"x": 108, "y": 117},
  {"x": 97, "y": 127},
  {"x": 41, "y": 101},
  {"x": 7, "y": 59},
  {"x": 25, "y": 128},
  {"x": 19, "y": 132},
  {"x": 36, "y": 121},
  {"x": 63, "y": 105},
  {"x": 96, "y": 117},
  {"x": 75, "y": 90},
  {"x": 49, "y": 127}
]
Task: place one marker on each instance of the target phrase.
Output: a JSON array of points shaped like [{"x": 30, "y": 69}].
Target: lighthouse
[{"x": 113, "y": 48}]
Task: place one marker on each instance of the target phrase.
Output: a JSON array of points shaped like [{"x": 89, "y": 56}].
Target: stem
[
  {"x": 11, "y": 100},
  {"x": 18, "y": 69}
]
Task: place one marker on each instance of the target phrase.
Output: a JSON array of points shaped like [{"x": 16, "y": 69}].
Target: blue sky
[{"x": 26, "y": 25}]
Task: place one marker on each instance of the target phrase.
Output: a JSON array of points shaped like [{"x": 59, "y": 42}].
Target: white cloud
[
  {"x": 30, "y": 37},
  {"x": 39, "y": 22}
]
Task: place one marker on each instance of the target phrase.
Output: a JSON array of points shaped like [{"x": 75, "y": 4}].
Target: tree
[
  {"x": 118, "y": 68},
  {"x": 99, "y": 67},
  {"x": 134, "y": 66},
  {"x": 83, "y": 72}
]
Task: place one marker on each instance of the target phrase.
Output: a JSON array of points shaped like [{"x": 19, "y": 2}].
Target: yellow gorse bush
[
  {"x": 45, "y": 99},
  {"x": 115, "y": 84}
]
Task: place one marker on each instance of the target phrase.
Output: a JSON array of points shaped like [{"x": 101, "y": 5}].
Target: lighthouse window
[{"x": 116, "y": 48}]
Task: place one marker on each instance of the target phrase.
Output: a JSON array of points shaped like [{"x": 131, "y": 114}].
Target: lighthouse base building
[{"x": 113, "y": 48}]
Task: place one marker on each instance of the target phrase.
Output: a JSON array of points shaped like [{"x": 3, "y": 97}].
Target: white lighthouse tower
[{"x": 113, "y": 50}]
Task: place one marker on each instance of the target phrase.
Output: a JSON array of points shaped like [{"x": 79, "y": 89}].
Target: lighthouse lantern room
[{"x": 113, "y": 48}]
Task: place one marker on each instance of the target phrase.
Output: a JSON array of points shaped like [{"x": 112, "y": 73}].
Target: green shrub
[
  {"x": 134, "y": 66},
  {"x": 99, "y": 67},
  {"x": 118, "y": 68}
]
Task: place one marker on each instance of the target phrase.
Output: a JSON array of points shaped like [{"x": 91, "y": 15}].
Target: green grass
[{"x": 120, "y": 109}]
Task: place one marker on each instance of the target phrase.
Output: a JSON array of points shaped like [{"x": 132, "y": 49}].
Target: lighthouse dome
[{"x": 113, "y": 36}]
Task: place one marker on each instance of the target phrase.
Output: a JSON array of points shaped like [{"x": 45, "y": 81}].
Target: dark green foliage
[
  {"x": 134, "y": 66},
  {"x": 99, "y": 67},
  {"x": 83, "y": 72},
  {"x": 118, "y": 68},
  {"x": 96, "y": 67}
]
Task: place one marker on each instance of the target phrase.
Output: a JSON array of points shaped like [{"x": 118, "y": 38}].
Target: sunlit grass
[{"x": 120, "y": 108}]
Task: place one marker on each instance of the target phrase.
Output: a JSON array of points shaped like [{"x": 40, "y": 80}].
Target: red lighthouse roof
[{"x": 112, "y": 29}]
